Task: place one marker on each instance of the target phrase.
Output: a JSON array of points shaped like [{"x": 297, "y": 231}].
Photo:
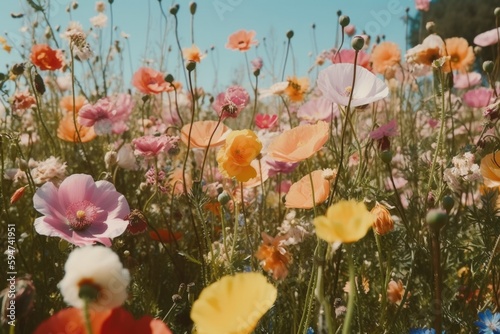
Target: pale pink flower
[
  {"x": 422, "y": 5},
  {"x": 257, "y": 63},
  {"x": 335, "y": 83},
  {"x": 466, "y": 80},
  {"x": 348, "y": 55},
  {"x": 49, "y": 170},
  {"x": 478, "y": 98},
  {"x": 276, "y": 167},
  {"x": 150, "y": 146},
  {"x": 22, "y": 101},
  {"x": 487, "y": 38},
  {"x": 231, "y": 102},
  {"x": 319, "y": 109},
  {"x": 81, "y": 211},
  {"x": 108, "y": 115},
  {"x": 350, "y": 30}
]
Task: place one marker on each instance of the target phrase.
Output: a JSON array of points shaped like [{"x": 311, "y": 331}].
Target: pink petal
[{"x": 76, "y": 188}]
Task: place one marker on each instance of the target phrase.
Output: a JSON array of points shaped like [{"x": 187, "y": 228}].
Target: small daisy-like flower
[
  {"x": 79, "y": 44},
  {"x": 489, "y": 323},
  {"x": 94, "y": 272}
]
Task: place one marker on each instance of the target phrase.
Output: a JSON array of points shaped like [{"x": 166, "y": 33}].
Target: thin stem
[
  {"x": 286, "y": 57},
  {"x": 86, "y": 316},
  {"x": 346, "y": 328}
]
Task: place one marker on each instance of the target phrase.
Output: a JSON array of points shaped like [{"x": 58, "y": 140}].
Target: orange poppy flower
[
  {"x": 149, "y": 81},
  {"x": 296, "y": 88},
  {"x": 45, "y": 58},
  {"x": 241, "y": 40},
  {"x": 164, "y": 235},
  {"x": 395, "y": 292},
  {"x": 213, "y": 207},
  {"x": 192, "y": 54},
  {"x": 461, "y": 54},
  {"x": 300, "y": 193},
  {"x": 116, "y": 321},
  {"x": 490, "y": 169},
  {"x": 201, "y": 133},
  {"x": 299, "y": 143},
  {"x": 384, "y": 57},
  {"x": 274, "y": 256},
  {"x": 66, "y": 103},
  {"x": 236, "y": 155},
  {"x": 67, "y": 131}
]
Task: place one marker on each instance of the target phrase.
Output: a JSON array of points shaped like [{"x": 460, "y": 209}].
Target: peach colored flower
[
  {"x": 45, "y": 58},
  {"x": 461, "y": 54},
  {"x": 490, "y": 169},
  {"x": 383, "y": 221},
  {"x": 241, "y": 40},
  {"x": 202, "y": 131},
  {"x": 193, "y": 54},
  {"x": 384, "y": 57},
  {"x": 431, "y": 49},
  {"x": 236, "y": 155},
  {"x": 149, "y": 81},
  {"x": 67, "y": 131},
  {"x": 66, "y": 103},
  {"x": 395, "y": 292},
  {"x": 274, "y": 256},
  {"x": 299, "y": 143},
  {"x": 296, "y": 88},
  {"x": 300, "y": 195}
]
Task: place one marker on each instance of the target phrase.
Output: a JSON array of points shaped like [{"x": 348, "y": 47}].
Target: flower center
[
  {"x": 81, "y": 215},
  {"x": 348, "y": 91}
]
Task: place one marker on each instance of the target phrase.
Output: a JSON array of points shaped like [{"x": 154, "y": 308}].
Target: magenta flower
[
  {"x": 81, "y": 211},
  {"x": 382, "y": 134},
  {"x": 276, "y": 167},
  {"x": 478, "y": 98},
  {"x": 266, "y": 121},
  {"x": 487, "y": 38},
  {"x": 108, "y": 115},
  {"x": 231, "y": 102},
  {"x": 150, "y": 146},
  {"x": 422, "y": 5}
]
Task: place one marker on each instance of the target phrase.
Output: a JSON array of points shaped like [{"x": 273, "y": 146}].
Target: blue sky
[{"x": 214, "y": 21}]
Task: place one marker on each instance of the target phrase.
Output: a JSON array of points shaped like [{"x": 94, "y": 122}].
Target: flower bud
[
  {"x": 169, "y": 78},
  {"x": 174, "y": 9},
  {"x": 488, "y": 66},
  {"x": 448, "y": 203},
  {"x": 39, "y": 84},
  {"x": 23, "y": 165},
  {"x": 339, "y": 12},
  {"x": 192, "y": 8},
  {"x": 430, "y": 27},
  {"x": 386, "y": 156},
  {"x": 344, "y": 20},
  {"x": 383, "y": 221},
  {"x": 478, "y": 50},
  {"x": 190, "y": 66},
  {"x": 289, "y": 34},
  {"x": 110, "y": 159},
  {"x": 16, "y": 196},
  {"x": 223, "y": 198},
  {"x": 497, "y": 12},
  {"x": 357, "y": 43},
  {"x": 18, "y": 69},
  {"x": 256, "y": 72},
  {"x": 436, "y": 218}
]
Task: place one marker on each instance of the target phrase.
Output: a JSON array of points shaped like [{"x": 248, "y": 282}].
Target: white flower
[
  {"x": 126, "y": 157},
  {"x": 99, "y": 21},
  {"x": 95, "y": 267},
  {"x": 335, "y": 82},
  {"x": 276, "y": 89},
  {"x": 51, "y": 169}
]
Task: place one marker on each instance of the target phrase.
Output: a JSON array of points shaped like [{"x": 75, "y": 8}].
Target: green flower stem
[
  {"x": 383, "y": 280},
  {"x": 311, "y": 287},
  {"x": 224, "y": 238},
  {"x": 86, "y": 315},
  {"x": 438, "y": 279},
  {"x": 346, "y": 328},
  {"x": 208, "y": 145},
  {"x": 247, "y": 230},
  {"x": 320, "y": 294}
]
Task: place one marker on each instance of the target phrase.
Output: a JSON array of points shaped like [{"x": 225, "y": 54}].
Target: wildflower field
[{"x": 361, "y": 196}]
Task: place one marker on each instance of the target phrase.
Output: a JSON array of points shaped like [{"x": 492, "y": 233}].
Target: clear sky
[{"x": 214, "y": 21}]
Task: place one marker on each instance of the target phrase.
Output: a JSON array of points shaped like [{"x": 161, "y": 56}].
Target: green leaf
[
  {"x": 189, "y": 258},
  {"x": 35, "y": 6}
]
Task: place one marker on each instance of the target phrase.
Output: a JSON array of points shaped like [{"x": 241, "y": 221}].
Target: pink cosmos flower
[
  {"x": 348, "y": 55},
  {"x": 319, "y": 109},
  {"x": 150, "y": 146},
  {"x": 266, "y": 121},
  {"x": 466, "y": 80},
  {"x": 81, "y": 211},
  {"x": 487, "y": 38},
  {"x": 231, "y": 102},
  {"x": 335, "y": 83},
  {"x": 478, "y": 98},
  {"x": 382, "y": 134},
  {"x": 108, "y": 115},
  {"x": 422, "y": 5}
]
